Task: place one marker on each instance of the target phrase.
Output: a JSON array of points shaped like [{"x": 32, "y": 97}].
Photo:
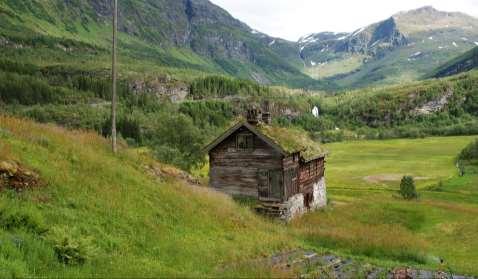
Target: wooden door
[
  {"x": 263, "y": 183},
  {"x": 270, "y": 184}
]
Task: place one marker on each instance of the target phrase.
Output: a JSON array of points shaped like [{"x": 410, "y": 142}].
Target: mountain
[
  {"x": 400, "y": 48},
  {"x": 188, "y": 39},
  {"x": 183, "y": 34},
  {"x": 463, "y": 63}
]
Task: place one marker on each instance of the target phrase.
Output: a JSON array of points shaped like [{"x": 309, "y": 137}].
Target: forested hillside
[
  {"x": 193, "y": 38},
  {"x": 80, "y": 99},
  {"x": 183, "y": 38}
]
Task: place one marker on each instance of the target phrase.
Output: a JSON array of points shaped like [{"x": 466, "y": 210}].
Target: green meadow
[
  {"x": 368, "y": 218},
  {"x": 380, "y": 164},
  {"x": 130, "y": 215}
]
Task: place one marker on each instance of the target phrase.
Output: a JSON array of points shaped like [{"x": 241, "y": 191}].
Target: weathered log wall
[
  {"x": 235, "y": 171},
  {"x": 311, "y": 172},
  {"x": 291, "y": 175}
]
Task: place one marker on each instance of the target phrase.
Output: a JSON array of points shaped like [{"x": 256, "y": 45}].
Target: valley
[
  {"x": 191, "y": 230},
  {"x": 395, "y": 98}
]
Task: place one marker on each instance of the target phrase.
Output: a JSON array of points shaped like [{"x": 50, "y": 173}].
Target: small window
[{"x": 245, "y": 142}]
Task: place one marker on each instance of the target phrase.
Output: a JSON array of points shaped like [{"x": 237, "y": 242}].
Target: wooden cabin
[{"x": 282, "y": 168}]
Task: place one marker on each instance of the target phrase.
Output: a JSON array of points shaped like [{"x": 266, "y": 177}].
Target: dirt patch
[
  {"x": 380, "y": 178},
  {"x": 17, "y": 177}
]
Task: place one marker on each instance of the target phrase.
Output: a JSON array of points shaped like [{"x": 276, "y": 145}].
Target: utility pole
[{"x": 114, "y": 77}]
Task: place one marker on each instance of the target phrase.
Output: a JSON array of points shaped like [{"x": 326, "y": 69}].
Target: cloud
[{"x": 291, "y": 19}]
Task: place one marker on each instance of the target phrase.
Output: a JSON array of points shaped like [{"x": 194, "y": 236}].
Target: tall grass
[
  {"x": 352, "y": 229},
  {"x": 131, "y": 223}
]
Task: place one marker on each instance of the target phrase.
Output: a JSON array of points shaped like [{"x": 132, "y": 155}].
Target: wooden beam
[{"x": 114, "y": 77}]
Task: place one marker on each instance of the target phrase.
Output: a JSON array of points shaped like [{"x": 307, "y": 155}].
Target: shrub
[
  {"x": 407, "y": 188},
  {"x": 176, "y": 140},
  {"x": 71, "y": 248},
  {"x": 469, "y": 153}
]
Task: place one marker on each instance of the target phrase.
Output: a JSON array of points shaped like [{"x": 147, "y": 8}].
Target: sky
[{"x": 292, "y": 19}]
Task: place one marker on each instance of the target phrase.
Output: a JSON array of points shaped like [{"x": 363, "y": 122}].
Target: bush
[
  {"x": 407, "y": 188},
  {"x": 71, "y": 248},
  {"x": 470, "y": 152},
  {"x": 176, "y": 140}
]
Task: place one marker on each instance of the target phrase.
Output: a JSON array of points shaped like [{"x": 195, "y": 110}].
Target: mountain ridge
[
  {"x": 463, "y": 63},
  {"x": 196, "y": 38},
  {"x": 400, "y": 48},
  {"x": 188, "y": 34}
]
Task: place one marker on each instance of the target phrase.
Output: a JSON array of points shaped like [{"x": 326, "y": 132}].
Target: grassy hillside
[
  {"x": 93, "y": 214},
  {"x": 167, "y": 36},
  {"x": 464, "y": 62},
  {"x": 116, "y": 215},
  {"x": 80, "y": 100},
  {"x": 436, "y": 107}
]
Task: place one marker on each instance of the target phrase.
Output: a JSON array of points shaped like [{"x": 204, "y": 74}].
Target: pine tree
[{"x": 407, "y": 188}]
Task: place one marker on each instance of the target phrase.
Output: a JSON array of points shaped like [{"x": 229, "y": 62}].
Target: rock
[
  {"x": 435, "y": 105},
  {"x": 9, "y": 168},
  {"x": 16, "y": 177},
  {"x": 161, "y": 86}
]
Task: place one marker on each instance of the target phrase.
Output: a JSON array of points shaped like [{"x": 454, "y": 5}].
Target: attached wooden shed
[{"x": 283, "y": 168}]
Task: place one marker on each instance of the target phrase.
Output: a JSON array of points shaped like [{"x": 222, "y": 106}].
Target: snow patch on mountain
[{"x": 358, "y": 32}]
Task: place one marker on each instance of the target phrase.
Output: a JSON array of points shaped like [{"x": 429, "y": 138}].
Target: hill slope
[
  {"x": 110, "y": 217},
  {"x": 189, "y": 35},
  {"x": 193, "y": 38},
  {"x": 401, "y": 48},
  {"x": 462, "y": 63}
]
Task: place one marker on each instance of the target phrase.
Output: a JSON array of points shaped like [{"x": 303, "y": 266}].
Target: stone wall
[
  {"x": 320, "y": 194},
  {"x": 295, "y": 206}
]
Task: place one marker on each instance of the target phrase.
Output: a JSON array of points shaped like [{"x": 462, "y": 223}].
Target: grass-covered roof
[
  {"x": 292, "y": 140},
  {"x": 285, "y": 140}
]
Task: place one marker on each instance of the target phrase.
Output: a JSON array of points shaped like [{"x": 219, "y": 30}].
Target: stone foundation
[
  {"x": 320, "y": 194},
  {"x": 295, "y": 205}
]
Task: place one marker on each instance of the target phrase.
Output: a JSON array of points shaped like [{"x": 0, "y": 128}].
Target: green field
[
  {"x": 368, "y": 218},
  {"x": 381, "y": 164},
  {"x": 132, "y": 216}
]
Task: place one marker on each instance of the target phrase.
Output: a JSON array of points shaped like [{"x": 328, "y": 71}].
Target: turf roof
[
  {"x": 284, "y": 140},
  {"x": 292, "y": 140}
]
